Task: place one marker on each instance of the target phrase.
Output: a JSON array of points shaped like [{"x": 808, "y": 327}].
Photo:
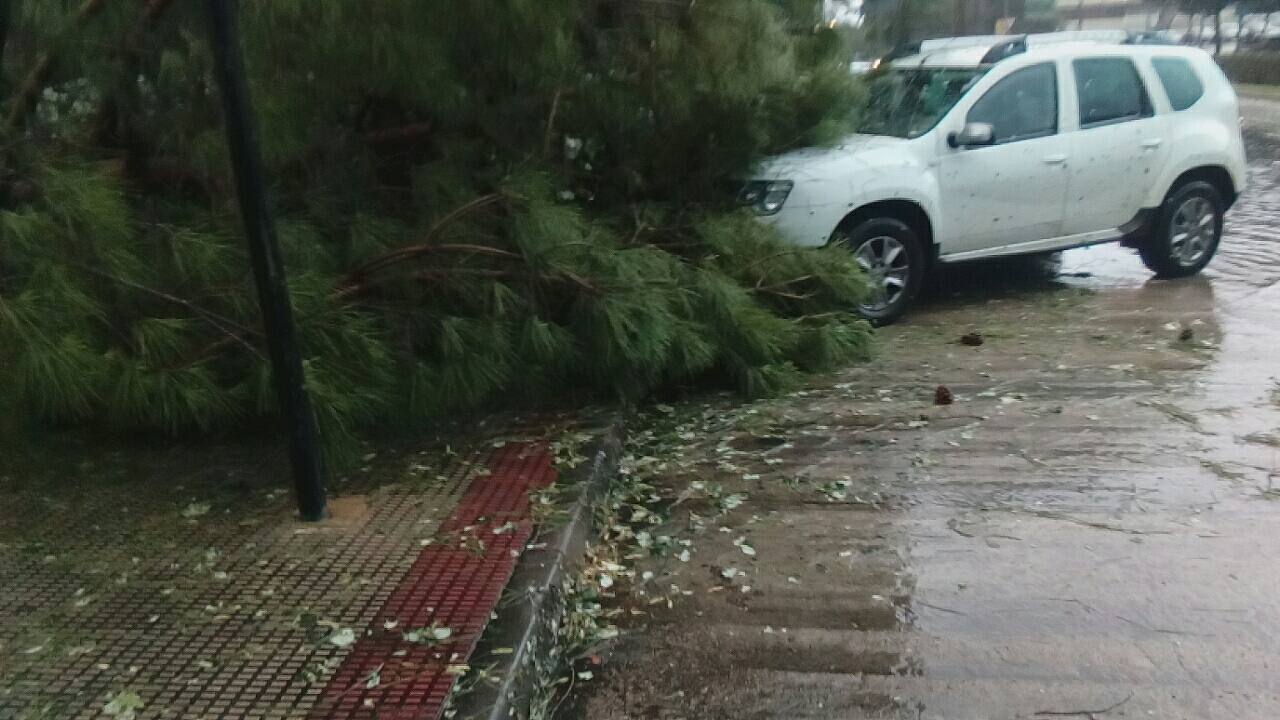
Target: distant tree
[
  {"x": 897, "y": 22},
  {"x": 1205, "y": 9},
  {"x": 1244, "y": 8},
  {"x": 1201, "y": 9},
  {"x": 1214, "y": 8}
]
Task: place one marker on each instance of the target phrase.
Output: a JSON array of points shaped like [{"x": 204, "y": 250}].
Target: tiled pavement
[{"x": 234, "y": 610}]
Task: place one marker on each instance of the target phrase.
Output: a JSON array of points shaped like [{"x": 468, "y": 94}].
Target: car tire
[
  {"x": 1187, "y": 231},
  {"x": 893, "y": 256}
]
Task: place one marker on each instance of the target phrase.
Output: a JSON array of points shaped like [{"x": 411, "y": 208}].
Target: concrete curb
[{"x": 528, "y": 620}]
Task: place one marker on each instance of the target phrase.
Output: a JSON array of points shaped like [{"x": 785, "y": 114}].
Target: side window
[
  {"x": 1179, "y": 80},
  {"x": 1022, "y": 106},
  {"x": 1110, "y": 91}
]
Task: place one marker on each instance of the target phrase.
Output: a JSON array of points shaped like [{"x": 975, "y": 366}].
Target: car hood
[{"x": 853, "y": 154}]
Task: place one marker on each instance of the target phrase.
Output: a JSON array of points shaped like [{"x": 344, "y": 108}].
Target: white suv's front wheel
[
  {"x": 1187, "y": 231},
  {"x": 892, "y": 256}
]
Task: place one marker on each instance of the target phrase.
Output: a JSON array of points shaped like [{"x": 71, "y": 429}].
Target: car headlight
[{"x": 766, "y": 197}]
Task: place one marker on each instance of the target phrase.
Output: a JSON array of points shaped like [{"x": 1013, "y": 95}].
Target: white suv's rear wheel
[
  {"x": 1187, "y": 231},
  {"x": 893, "y": 259}
]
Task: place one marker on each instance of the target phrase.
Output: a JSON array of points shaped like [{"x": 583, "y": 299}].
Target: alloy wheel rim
[
  {"x": 1192, "y": 230},
  {"x": 887, "y": 265}
]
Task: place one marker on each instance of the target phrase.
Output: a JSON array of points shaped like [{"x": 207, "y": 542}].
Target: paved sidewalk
[{"x": 202, "y": 599}]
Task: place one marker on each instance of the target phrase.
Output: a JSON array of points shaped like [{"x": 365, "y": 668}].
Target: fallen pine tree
[{"x": 479, "y": 202}]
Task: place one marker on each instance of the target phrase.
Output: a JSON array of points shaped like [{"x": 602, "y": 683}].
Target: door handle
[
  {"x": 1152, "y": 143},
  {"x": 1055, "y": 159}
]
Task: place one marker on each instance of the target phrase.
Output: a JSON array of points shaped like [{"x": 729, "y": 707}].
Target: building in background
[
  {"x": 1109, "y": 14},
  {"x": 1255, "y": 26},
  {"x": 897, "y": 21},
  {"x": 921, "y": 19}
]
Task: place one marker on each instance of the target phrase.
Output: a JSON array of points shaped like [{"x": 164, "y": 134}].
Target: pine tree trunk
[{"x": 4, "y": 36}]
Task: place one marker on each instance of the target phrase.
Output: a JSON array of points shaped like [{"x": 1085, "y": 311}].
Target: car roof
[{"x": 985, "y": 51}]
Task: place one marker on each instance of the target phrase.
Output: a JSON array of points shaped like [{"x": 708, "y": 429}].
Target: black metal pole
[{"x": 268, "y": 268}]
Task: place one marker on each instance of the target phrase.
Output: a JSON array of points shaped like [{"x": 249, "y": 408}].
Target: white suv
[{"x": 985, "y": 147}]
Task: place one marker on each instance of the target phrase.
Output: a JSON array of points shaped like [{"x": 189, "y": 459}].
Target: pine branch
[
  {"x": 404, "y": 133},
  {"x": 786, "y": 295},
  {"x": 171, "y": 173},
  {"x": 130, "y": 50},
  {"x": 154, "y": 9},
  {"x": 225, "y": 325},
  {"x": 762, "y": 288},
  {"x": 770, "y": 258},
  {"x": 212, "y": 349},
  {"x": 29, "y": 96},
  {"x": 416, "y": 251},
  {"x": 551, "y": 123},
  {"x": 355, "y": 276},
  {"x": 444, "y": 274},
  {"x": 561, "y": 277}
]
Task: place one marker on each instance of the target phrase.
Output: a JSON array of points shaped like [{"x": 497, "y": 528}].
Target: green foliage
[
  {"x": 1259, "y": 68},
  {"x": 479, "y": 202}
]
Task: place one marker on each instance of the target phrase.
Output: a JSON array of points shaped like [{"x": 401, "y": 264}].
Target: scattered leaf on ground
[
  {"x": 342, "y": 637},
  {"x": 123, "y": 705}
]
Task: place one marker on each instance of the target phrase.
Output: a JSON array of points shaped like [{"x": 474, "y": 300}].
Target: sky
[{"x": 843, "y": 12}]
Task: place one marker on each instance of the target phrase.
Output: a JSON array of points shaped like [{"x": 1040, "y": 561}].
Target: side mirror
[{"x": 973, "y": 135}]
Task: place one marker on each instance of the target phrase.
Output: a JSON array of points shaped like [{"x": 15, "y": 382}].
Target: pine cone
[{"x": 942, "y": 396}]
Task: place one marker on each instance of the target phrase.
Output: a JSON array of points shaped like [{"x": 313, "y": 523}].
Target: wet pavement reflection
[{"x": 1091, "y": 528}]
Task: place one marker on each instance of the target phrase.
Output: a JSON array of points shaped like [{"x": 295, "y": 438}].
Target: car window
[
  {"x": 1110, "y": 91},
  {"x": 909, "y": 103},
  {"x": 1179, "y": 80},
  {"x": 1023, "y": 105}
]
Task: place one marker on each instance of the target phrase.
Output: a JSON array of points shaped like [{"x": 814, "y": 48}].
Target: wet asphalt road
[{"x": 1088, "y": 531}]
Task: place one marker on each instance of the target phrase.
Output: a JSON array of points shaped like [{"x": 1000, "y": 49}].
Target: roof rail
[
  {"x": 964, "y": 41},
  {"x": 901, "y": 51},
  {"x": 999, "y": 47},
  {"x": 1002, "y": 50},
  {"x": 1033, "y": 39},
  {"x": 1115, "y": 37}
]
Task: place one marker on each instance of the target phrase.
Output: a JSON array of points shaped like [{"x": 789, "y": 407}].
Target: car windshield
[{"x": 908, "y": 103}]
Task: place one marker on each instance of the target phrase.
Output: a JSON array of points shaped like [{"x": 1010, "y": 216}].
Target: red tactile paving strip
[{"x": 455, "y": 583}]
